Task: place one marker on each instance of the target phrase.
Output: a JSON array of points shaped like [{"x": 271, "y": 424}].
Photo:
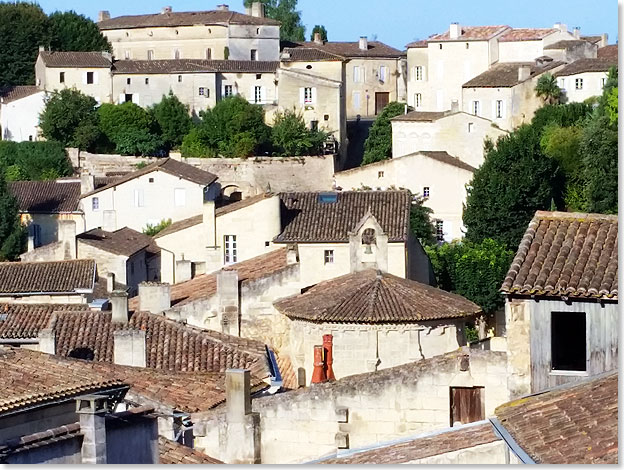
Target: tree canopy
[
  {"x": 12, "y": 232},
  {"x": 319, "y": 29},
  {"x": 130, "y": 128},
  {"x": 284, "y": 11},
  {"x": 378, "y": 145},
  {"x": 70, "y": 31},
  {"x": 291, "y": 137},
  {"x": 33, "y": 160},
  {"x": 173, "y": 119},
  {"x": 548, "y": 89}
]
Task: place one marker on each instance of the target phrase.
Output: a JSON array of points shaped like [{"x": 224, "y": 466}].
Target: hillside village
[{"x": 221, "y": 245}]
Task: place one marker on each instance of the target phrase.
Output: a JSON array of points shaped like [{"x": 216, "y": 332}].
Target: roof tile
[
  {"x": 172, "y": 452},
  {"x": 124, "y": 241},
  {"x": 75, "y": 59},
  {"x": 50, "y": 277},
  {"x": 46, "y": 196}
]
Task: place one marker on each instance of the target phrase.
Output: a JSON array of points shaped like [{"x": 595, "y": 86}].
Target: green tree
[
  {"x": 420, "y": 222},
  {"x": 152, "y": 230},
  {"x": 131, "y": 128},
  {"x": 23, "y": 28},
  {"x": 291, "y": 137},
  {"x": 564, "y": 115},
  {"x": 173, "y": 118},
  {"x": 319, "y": 29},
  {"x": 284, "y": 11},
  {"x": 547, "y": 89},
  {"x": 34, "y": 160},
  {"x": 70, "y": 31},
  {"x": 515, "y": 180},
  {"x": 378, "y": 145},
  {"x": 12, "y": 232},
  {"x": 194, "y": 147},
  {"x": 69, "y": 117}
]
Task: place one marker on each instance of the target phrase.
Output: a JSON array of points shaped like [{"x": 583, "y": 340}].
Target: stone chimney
[
  {"x": 561, "y": 27},
  {"x": 242, "y": 443},
  {"x": 129, "y": 348},
  {"x": 154, "y": 297},
  {"x": 209, "y": 222},
  {"x": 604, "y": 40},
  {"x": 119, "y": 304},
  {"x": 41, "y": 48},
  {"x": 257, "y": 9},
  {"x": 87, "y": 182},
  {"x": 31, "y": 240},
  {"x": 110, "y": 282},
  {"x": 228, "y": 298},
  {"x": 454, "y": 106},
  {"x": 67, "y": 235},
  {"x": 454, "y": 31},
  {"x": 183, "y": 270},
  {"x": 166, "y": 10},
  {"x": 109, "y": 221},
  {"x": 103, "y": 15},
  {"x": 92, "y": 410},
  {"x": 47, "y": 341},
  {"x": 524, "y": 72},
  {"x": 318, "y": 39},
  {"x": 223, "y": 7},
  {"x": 576, "y": 32},
  {"x": 363, "y": 43},
  {"x": 292, "y": 255}
]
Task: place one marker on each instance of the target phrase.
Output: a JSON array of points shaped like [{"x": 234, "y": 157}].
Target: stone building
[
  {"x": 377, "y": 321},
  {"x": 562, "y": 301},
  {"x": 586, "y": 78},
  {"x": 20, "y": 107}
]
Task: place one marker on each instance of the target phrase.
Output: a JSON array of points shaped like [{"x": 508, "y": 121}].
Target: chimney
[
  {"x": 92, "y": 410},
  {"x": 109, "y": 221},
  {"x": 301, "y": 377},
  {"x": 257, "y": 9},
  {"x": 223, "y": 7},
  {"x": 454, "y": 31},
  {"x": 110, "y": 282},
  {"x": 561, "y": 27},
  {"x": 524, "y": 72},
  {"x": 183, "y": 270},
  {"x": 328, "y": 350},
  {"x": 242, "y": 443},
  {"x": 108, "y": 56},
  {"x": 47, "y": 341},
  {"x": 318, "y": 39},
  {"x": 318, "y": 375},
  {"x": 363, "y": 43},
  {"x": 103, "y": 15},
  {"x": 31, "y": 240},
  {"x": 166, "y": 10},
  {"x": 228, "y": 298},
  {"x": 67, "y": 235},
  {"x": 291, "y": 255},
  {"x": 604, "y": 40},
  {"x": 154, "y": 297},
  {"x": 454, "y": 106},
  {"x": 129, "y": 347},
  {"x": 119, "y": 303},
  {"x": 87, "y": 182},
  {"x": 41, "y": 48},
  {"x": 208, "y": 220},
  {"x": 577, "y": 32}
]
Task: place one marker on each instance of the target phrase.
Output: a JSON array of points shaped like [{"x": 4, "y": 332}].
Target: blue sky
[{"x": 396, "y": 22}]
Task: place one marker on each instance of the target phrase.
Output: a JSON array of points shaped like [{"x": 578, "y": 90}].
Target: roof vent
[
  {"x": 223, "y": 7},
  {"x": 327, "y": 198}
]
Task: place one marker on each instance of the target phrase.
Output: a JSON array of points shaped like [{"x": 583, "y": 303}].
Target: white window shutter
[
  {"x": 263, "y": 94},
  {"x": 424, "y": 72},
  {"x": 252, "y": 92},
  {"x": 301, "y": 96},
  {"x": 96, "y": 78},
  {"x": 494, "y": 109},
  {"x": 84, "y": 78},
  {"x": 504, "y": 110},
  {"x": 447, "y": 227},
  {"x": 135, "y": 98},
  {"x": 122, "y": 98},
  {"x": 313, "y": 95}
]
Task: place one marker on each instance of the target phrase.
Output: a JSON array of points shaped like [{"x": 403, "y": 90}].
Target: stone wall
[
  {"x": 518, "y": 327},
  {"x": 362, "y": 410}
]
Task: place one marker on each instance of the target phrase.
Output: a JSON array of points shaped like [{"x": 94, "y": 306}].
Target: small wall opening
[{"x": 569, "y": 341}]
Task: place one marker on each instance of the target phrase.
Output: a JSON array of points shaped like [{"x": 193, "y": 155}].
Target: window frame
[
  {"x": 230, "y": 249},
  {"x": 61, "y": 77},
  {"x": 328, "y": 257},
  {"x": 90, "y": 78},
  {"x": 426, "y": 191},
  {"x": 417, "y": 100},
  {"x": 476, "y": 107},
  {"x": 439, "y": 226},
  {"x": 253, "y": 54},
  {"x": 499, "y": 109},
  {"x": 225, "y": 90},
  {"x": 578, "y": 83},
  {"x": 95, "y": 204},
  {"x": 418, "y": 73},
  {"x": 566, "y": 320},
  {"x": 307, "y": 99},
  {"x": 258, "y": 94}
]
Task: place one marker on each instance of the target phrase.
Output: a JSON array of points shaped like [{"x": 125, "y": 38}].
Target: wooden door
[
  {"x": 466, "y": 405},
  {"x": 381, "y": 100}
]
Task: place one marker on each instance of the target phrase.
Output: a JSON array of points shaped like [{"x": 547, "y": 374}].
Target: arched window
[
  {"x": 369, "y": 239},
  {"x": 82, "y": 353}
]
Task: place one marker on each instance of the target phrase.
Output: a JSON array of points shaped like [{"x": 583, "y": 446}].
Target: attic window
[
  {"x": 82, "y": 353},
  {"x": 151, "y": 180},
  {"x": 258, "y": 76},
  {"x": 3, "y": 316},
  {"x": 328, "y": 198},
  {"x": 467, "y": 45},
  {"x": 568, "y": 341},
  {"x": 440, "y": 46},
  {"x": 308, "y": 66}
]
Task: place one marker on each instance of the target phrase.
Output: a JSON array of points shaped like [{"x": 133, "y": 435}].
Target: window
[
  {"x": 147, "y": 81},
  {"x": 603, "y": 82},
  {"x": 205, "y": 92},
  {"x": 128, "y": 81},
  {"x": 568, "y": 341},
  {"x": 227, "y": 90},
  {"x": 439, "y": 230},
  {"x": 179, "y": 197},
  {"x": 562, "y": 83},
  {"x": 499, "y": 108},
  {"x": 127, "y": 55},
  {"x": 150, "y": 55},
  {"x": 314, "y": 125},
  {"x": 307, "y": 95},
  {"x": 329, "y": 257},
  {"x": 138, "y": 198},
  {"x": 176, "y": 54},
  {"x": 418, "y": 100},
  {"x": 578, "y": 83},
  {"x": 418, "y": 73},
  {"x": 476, "y": 107},
  {"x": 151, "y": 180},
  {"x": 95, "y": 204},
  {"x": 356, "y": 100},
  {"x": 208, "y": 54},
  {"x": 356, "y": 74},
  {"x": 470, "y": 127},
  {"x": 62, "y": 77},
  {"x": 179, "y": 78},
  {"x": 230, "y": 249},
  {"x": 440, "y": 46},
  {"x": 380, "y": 174},
  {"x": 426, "y": 191},
  {"x": 467, "y": 45},
  {"x": 128, "y": 97},
  {"x": 326, "y": 117},
  {"x": 383, "y": 71},
  {"x": 254, "y": 54},
  {"x": 258, "y": 76},
  {"x": 89, "y": 78},
  {"x": 257, "y": 94}
]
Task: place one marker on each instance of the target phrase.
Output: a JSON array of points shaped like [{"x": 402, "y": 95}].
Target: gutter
[
  {"x": 20, "y": 341},
  {"x": 500, "y": 431}
]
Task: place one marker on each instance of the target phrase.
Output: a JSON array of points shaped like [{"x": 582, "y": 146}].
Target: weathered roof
[
  {"x": 184, "y": 18},
  {"x": 526, "y": 34},
  {"x": 609, "y": 52},
  {"x": 14, "y": 93},
  {"x": 421, "y": 116},
  {"x": 444, "y": 157},
  {"x": 422, "y": 446},
  {"x": 167, "y": 66},
  {"x": 350, "y": 49},
  {"x": 592, "y": 39},
  {"x": 76, "y": 59},
  {"x": 506, "y": 74},
  {"x": 172, "y": 452},
  {"x": 26, "y": 320},
  {"x": 472, "y": 33},
  {"x": 168, "y": 165},
  {"x": 417, "y": 44},
  {"x": 180, "y": 225},
  {"x": 573, "y": 424},
  {"x": 587, "y": 65},
  {"x": 27, "y": 382},
  {"x": 567, "y": 44},
  {"x": 51, "y": 277},
  {"x": 312, "y": 217},
  {"x": 39, "y": 439},
  {"x": 124, "y": 241},
  {"x": 568, "y": 255},
  {"x": 371, "y": 296},
  {"x": 308, "y": 54},
  {"x": 52, "y": 196}
]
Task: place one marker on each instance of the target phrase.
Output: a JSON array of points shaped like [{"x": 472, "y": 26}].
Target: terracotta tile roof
[
  {"x": 204, "y": 286},
  {"x": 168, "y": 66},
  {"x": 308, "y": 54},
  {"x": 26, "y": 320},
  {"x": 55, "y": 277},
  {"x": 569, "y": 44},
  {"x": 46, "y": 196},
  {"x": 417, "y": 44},
  {"x": 14, "y": 93},
  {"x": 444, "y": 157},
  {"x": 608, "y": 52},
  {"x": 289, "y": 376},
  {"x": 506, "y": 74},
  {"x": 592, "y": 39},
  {"x": 566, "y": 254},
  {"x": 422, "y": 446},
  {"x": 39, "y": 439},
  {"x": 184, "y": 18},
  {"x": 351, "y": 49},
  {"x": 75, "y": 59},
  {"x": 421, "y": 116},
  {"x": 172, "y": 452},
  {"x": 168, "y": 165},
  {"x": 574, "y": 424},
  {"x": 526, "y": 34},
  {"x": 374, "y": 297},
  {"x": 180, "y": 225},
  {"x": 124, "y": 241},
  {"x": 307, "y": 217},
  {"x": 30, "y": 377},
  {"x": 587, "y": 65},
  {"x": 472, "y": 33}
]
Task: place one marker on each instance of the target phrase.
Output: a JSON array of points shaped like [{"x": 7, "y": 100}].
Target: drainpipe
[
  {"x": 329, "y": 356},
  {"x": 318, "y": 375}
]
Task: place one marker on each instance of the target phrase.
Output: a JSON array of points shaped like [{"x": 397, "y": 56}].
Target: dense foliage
[
  {"x": 378, "y": 145},
  {"x": 70, "y": 31},
  {"x": 33, "y": 160},
  {"x": 130, "y": 128},
  {"x": 173, "y": 118},
  {"x": 420, "y": 222},
  {"x": 291, "y": 137},
  {"x": 319, "y": 29},
  {"x": 547, "y": 89},
  {"x": 12, "y": 233},
  {"x": 152, "y": 230},
  {"x": 284, "y": 11}
]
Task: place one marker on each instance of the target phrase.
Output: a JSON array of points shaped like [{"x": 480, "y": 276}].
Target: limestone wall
[{"x": 518, "y": 325}]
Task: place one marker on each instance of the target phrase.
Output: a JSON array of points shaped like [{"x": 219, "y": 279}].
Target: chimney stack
[
  {"x": 577, "y": 32},
  {"x": 103, "y": 15},
  {"x": 454, "y": 31},
  {"x": 223, "y": 7},
  {"x": 154, "y": 297},
  {"x": 109, "y": 220},
  {"x": 604, "y": 40},
  {"x": 110, "y": 282},
  {"x": 524, "y": 73},
  {"x": 41, "y": 48},
  {"x": 129, "y": 348},
  {"x": 31, "y": 239},
  {"x": 47, "y": 341},
  {"x": 328, "y": 350},
  {"x": 87, "y": 182},
  {"x": 454, "y": 106},
  {"x": 318, "y": 39},
  {"x": 242, "y": 443},
  {"x": 227, "y": 295},
  {"x": 257, "y": 9},
  {"x": 92, "y": 411},
  {"x": 119, "y": 303},
  {"x": 318, "y": 375},
  {"x": 363, "y": 43},
  {"x": 291, "y": 254},
  {"x": 67, "y": 235},
  {"x": 166, "y": 10},
  {"x": 561, "y": 27}
]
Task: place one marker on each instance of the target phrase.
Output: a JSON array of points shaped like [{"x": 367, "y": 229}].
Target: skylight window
[{"x": 327, "y": 198}]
